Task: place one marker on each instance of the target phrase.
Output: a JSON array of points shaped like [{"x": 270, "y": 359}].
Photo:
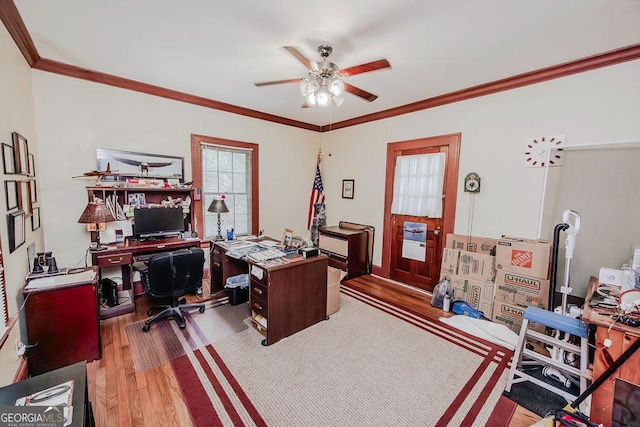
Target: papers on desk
[
  {"x": 65, "y": 279},
  {"x": 60, "y": 395}
]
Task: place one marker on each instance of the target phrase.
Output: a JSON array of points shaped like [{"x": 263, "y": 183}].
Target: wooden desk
[
  {"x": 62, "y": 321},
  {"x": 82, "y": 412},
  {"x": 122, "y": 254},
  {"x": 291, "y": 297},
  {"x": 621, "y": 337}
]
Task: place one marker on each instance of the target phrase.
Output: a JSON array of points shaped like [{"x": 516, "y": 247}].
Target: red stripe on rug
[
  {"x": 502, "y": 413},
  {"x": 217, "y": 387},
  {"x": 464, "y": 392},
  {"x": 244, "y": 399},
  {"x": 484, "y": 394},
  {"x": 195, "y": 396}
]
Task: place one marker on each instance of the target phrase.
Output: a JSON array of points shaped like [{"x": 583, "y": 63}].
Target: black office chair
[{"x": 171, "y": 275}]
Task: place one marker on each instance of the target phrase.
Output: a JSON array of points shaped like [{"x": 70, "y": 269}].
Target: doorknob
[{"x": 437, "y": 231}]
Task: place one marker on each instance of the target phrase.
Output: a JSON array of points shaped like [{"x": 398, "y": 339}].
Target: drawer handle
[
  {"x": 257, "y": 291},
  {"x": 160, "y": 246},
  {"x": 257, "y": 306},
  {"x": 115, "y": 261},
  {"x": 216, "y": 264},
  {"x": 217, "y": 252}
]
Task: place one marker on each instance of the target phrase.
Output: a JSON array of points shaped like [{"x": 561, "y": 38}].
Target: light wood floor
[{"x": 122, "y": 396}]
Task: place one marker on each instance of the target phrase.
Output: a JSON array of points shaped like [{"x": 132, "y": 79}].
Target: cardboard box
[
  {"x": 449, "y": 263},
  {"x": 478, "y": 294},
  {"x": 335, "y": 275},
  {"x": 511, "y": 316},
  {"x": 520, "y": 290},
  {"x": 333, "y": 298},
  {"x": 481, "y": 245},
  {"x": 476, "y": 266},
  {"x": 524, "y": 256}
]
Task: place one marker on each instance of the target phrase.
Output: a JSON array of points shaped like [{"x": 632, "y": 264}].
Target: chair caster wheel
[
  {"x": 150, "y": 313},
  {"x": 199, "y": 292},
  {"x": 182, "y": 301},
  {"x": 145, "y": 328},
  {"x": 183, "y": 325},
  {"x": 201, "y": 310}
]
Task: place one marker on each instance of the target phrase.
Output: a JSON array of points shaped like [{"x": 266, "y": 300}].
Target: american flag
[{"x": 317, "y": 195}]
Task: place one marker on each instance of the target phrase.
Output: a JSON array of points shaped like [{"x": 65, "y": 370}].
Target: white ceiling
[{"x": 218, "y": 49}]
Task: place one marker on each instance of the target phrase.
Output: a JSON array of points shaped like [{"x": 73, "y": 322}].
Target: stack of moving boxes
[
  {"x": 501, "y": 286},
  {"x": 469, "y": 264}
]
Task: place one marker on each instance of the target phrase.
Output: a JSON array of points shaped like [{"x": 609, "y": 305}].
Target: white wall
[
  {"x": 596, "y": 106},
  {"x": 16, "y": 115},
  {"x": 74, "y": 117}
]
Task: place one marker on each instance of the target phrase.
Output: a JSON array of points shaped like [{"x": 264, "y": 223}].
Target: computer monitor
[{"x": 157, "y": 222}]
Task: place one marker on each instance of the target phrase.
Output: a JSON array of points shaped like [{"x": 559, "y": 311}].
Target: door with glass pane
[{"x": 419, "y": 207}]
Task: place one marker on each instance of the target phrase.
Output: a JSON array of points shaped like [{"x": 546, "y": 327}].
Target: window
[
  {"x": 418, "y": 185},
  {"x": 229, "y": 168}
]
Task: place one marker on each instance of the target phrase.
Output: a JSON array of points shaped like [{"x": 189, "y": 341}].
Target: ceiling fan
[{"x": 325, "y": 81}]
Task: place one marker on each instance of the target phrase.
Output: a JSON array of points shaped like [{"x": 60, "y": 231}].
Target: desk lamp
[
  {"x": 218, "y": 206},
  {"x": 96, "y": 213}
]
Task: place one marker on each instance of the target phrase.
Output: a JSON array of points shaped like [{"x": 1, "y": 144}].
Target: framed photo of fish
[{"x": 142, "y": 165}]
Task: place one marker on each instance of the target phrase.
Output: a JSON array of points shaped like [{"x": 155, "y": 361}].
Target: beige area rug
[
  {"x": 162, "y": 342},
  {"x": 370, "y": 364}
]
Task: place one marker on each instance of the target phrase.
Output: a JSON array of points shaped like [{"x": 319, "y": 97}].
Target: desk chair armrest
[{"x": 141, "y": 267}]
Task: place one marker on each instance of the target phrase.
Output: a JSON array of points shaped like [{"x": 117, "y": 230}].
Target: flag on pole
[{"x": 317, "y": 195}]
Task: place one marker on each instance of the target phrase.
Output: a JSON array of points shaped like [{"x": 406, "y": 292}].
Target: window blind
[
  {"x": 418, "y": 184},
  {"x": 227, "y": 171}
]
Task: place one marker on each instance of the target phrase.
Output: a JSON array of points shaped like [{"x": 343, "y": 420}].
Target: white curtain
[{"x": 417, "y": 185}]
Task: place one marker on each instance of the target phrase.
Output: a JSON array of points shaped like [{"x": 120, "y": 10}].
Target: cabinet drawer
[
  {"x": 259, "y": 290},
  {"x": 117, "y": 259},
  {"x": 338, "y": 263},
  {"x": 216, "y": 270},
  {"x": 259, "y": 306},
  {"x": 259, "y": 275},
  {"x": 334, "y": 244},
  {"x": 216, "y": 252}
]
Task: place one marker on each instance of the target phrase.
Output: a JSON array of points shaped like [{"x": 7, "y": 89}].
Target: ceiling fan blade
[
  {"x": 277, "y": 82},
  {"x": 299, "y": 56},
  {"x": 365, "y": 68},
  {"x": 359, "y": 92},
  {"x": 305, "y": 104}
]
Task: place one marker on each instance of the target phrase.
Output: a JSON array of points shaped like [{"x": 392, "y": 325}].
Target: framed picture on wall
[
  {"x": 35, "y": 219},
  {"x": 20, "y": 153},
  {"x": 8, "y": 159},
  {"x": 24, "y": 197},
  {"x": 15, "y": 229},
  {"x": 347, "y": 188},
  {"x": 32, "y": 165},
  {"x": 34, "y": 193},
  {"x": 11, "y": 194}
]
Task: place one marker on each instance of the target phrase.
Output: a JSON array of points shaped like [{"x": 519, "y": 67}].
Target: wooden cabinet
[
  {"x": 347, "y": 249},
  {"x": 62, "y": 321},
  {"x": 288, "y": 298}
]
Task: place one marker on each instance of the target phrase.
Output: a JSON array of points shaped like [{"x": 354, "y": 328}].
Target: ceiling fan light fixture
[
  {"x": 311, "y": 99},
  {"x": 338, "y": 100},
  {"x": 306, "y": 87},
  {"x": 337, "y": 87},
  {"x": 323, "y": 98}
]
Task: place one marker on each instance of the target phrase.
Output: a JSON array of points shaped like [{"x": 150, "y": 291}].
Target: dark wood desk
[
  {"x": 621, "y": 337},
  {"x": 82, "y": 412},
  {"x": 122, "y": 254}
]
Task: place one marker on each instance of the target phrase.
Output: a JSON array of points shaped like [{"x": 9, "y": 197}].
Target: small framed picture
[
  {"x": 347, "y": 188},
  {"x": 8, "y": 159},
  {"x": 15, "y": 227},
  {"x": 35, "y": 219},
  {"x": 11, "y": 193},
  {"x": 34, "y": 192},
  {"x": 287, "y": 235},
  {"x": 20, "y": 153},
  {"x": 24, "y": 197},
  {"x": 32, "y": 165}
]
